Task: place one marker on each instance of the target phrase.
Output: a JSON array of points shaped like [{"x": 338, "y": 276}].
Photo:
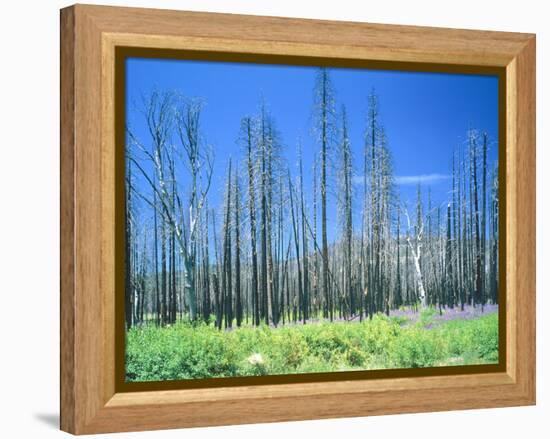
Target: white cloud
[
  {"x": 411, "y": 179},
  {"x": 423, "y": 178}
]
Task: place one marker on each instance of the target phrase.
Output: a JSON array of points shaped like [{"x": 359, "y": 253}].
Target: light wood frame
[{"x": 89, "y": 36}]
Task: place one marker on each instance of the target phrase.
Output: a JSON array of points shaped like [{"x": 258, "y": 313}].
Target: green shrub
[
  {"x": 184, "y": 351},
  {"x": 427, "y": 316},
  {"x": 416, "y": 348}
]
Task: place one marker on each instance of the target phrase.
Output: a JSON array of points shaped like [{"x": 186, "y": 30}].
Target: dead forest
[{"x": 266, "y": 254}]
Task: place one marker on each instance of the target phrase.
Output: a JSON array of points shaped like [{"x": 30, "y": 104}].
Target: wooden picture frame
[{"x": 91, "y": 399}]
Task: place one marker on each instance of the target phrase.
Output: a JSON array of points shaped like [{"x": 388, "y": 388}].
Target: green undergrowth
[{"x": 184, "y": 351}]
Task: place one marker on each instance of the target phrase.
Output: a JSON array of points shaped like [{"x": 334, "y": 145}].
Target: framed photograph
[{"x": 267, "y": 219}]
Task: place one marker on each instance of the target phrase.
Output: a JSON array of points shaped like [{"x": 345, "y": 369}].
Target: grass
[{"x": 185, "y": 351}]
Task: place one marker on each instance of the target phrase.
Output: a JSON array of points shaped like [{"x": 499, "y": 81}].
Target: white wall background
[{"x": 29, "y": 218}]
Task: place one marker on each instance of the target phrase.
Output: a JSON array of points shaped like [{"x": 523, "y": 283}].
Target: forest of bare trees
[{"x": 266, "y": 256}]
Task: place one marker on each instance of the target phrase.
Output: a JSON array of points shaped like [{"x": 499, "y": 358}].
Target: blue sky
[{"x": 425, "y": 115}]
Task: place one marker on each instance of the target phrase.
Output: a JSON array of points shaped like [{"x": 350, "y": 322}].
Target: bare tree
[
  {"x": 346, "y": 207},
  {"x": 269, "y": 264},
  {"x": 415, "y": 245},
  {"x": 305, "y": 249},
  {"x": 325, "y": 125},
  {"x": 163, "y": 112},
  {"x": 237, "y": 225},
  {"x": 248, "y": 138}
]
